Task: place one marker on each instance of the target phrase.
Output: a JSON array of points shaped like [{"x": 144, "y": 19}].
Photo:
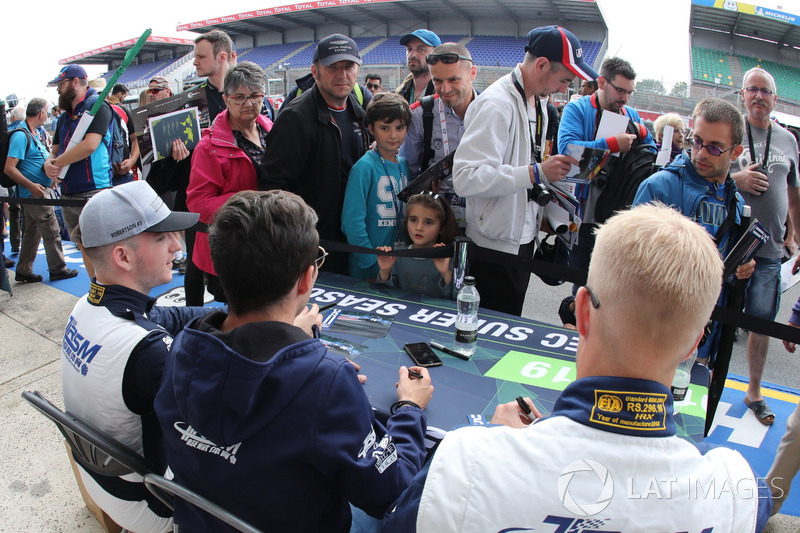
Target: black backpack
[
  {"x": 621, "y": 177},
  {"x": 5, "y": 140}
]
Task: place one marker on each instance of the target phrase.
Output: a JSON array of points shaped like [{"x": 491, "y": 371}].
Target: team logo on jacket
[
  {"x": 192, "y": 439},
  {"x": 384, "y": 452},
  {"x": 77, "y": 349},
  {"x": 590, "y": 478}
]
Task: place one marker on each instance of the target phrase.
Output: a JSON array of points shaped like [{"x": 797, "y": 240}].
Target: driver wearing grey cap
[{"x": 116, "y": 340}]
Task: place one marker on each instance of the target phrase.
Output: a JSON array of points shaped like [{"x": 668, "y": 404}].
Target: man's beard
[
  {"x": 418, "y": 68},
  {"x": 65, "y": 98}
]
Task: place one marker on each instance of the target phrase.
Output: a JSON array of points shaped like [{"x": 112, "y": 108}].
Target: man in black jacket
[{"x": 318, "y": 137}]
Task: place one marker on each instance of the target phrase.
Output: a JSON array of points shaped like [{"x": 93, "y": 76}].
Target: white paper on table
[
  {"x": 611, "y": 124},
  {"x": 789, "y": 280},
  {"x": 666, "y": 147}
]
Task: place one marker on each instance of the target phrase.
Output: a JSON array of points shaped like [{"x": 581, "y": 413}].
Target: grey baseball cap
[{"x": 126, "y": 210}]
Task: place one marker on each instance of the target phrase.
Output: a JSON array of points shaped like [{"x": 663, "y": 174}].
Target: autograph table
[{"x": 515, "y": 357}]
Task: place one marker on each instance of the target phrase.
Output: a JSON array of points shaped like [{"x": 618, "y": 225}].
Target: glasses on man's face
[
  {"x": 716, "y": 151},
  {"x": 755, "y": 90},
  {"x": 620, "y": 90},
  {"x": 240, "y": 99},
  {"x": 59, "y": 82},
  {"x": 592, "y": 297},
  {"x": 320, "y": 260},
  {"x": 448, "y": 58},
  {"x": 373, "y": 86},
  {"x": 156, "y": 90}
]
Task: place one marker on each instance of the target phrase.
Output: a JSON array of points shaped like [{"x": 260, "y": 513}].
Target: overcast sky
[{"x": 651, "y": 34}]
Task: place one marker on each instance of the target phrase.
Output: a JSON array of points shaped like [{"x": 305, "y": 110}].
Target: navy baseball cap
[
  {"x": 426, "y": 36},
  {"x": 558, "y": 44},
  {"x": 70, "y": 71},
  {"x": 336, "y": 47}
]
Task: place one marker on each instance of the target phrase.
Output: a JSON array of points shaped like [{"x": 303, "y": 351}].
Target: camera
[{"x": 540, "y": 194}]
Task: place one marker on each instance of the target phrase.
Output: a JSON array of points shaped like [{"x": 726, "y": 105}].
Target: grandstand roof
[
  {"x": 115, "y": 52},
  {"x": 746, "y": 20},
  {"x": 354, "y": 12}
]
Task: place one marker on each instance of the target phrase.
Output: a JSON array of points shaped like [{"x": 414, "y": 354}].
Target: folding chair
[
  {"x": 93, "y": 449},
  {"x": 156, "y": 484}
]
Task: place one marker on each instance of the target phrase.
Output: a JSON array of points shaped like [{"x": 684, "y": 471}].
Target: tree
[
  {"x": 650, "y": 86},
  {"x": 680, "y": 89}
]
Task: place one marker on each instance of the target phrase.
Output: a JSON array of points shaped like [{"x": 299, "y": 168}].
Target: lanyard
[
  {"x": 535, "y": 148},
  {"x": 752, "y": 148},
  {"x": 443, "y": 124},
  {"x": 397, "y": 205}
]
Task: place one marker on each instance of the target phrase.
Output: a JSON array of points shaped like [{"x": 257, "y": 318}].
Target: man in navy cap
[
  {"x": 417, "y": 84},
  {"x": 318, "y": 137},
  {"x": 499, "y": 166},
  {"x": 89, "y": 161}
]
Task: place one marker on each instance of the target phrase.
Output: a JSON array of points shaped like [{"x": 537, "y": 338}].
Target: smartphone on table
[{"x": 422, "y": 354}]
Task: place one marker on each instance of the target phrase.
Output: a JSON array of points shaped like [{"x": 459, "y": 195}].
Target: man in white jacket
[
  {"x": 499, "y": 166},
  {"x": 608, "y": 457}
]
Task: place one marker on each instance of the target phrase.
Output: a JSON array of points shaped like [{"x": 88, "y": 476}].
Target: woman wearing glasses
[{"x": 228, "y": 157}]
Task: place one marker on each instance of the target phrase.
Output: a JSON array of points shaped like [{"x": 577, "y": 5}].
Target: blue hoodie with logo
[{"x": 266, "y": 423}]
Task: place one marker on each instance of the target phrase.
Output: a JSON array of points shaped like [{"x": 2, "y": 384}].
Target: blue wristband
[{"x": 536, "y": 173}]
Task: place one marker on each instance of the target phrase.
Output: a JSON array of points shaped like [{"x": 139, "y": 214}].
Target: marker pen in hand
[
  {"x": 328, "y": 306},
  {"x": 413, "y": 374},
  {"x": 526, "y": 410}
]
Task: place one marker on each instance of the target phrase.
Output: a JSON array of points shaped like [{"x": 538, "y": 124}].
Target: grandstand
[
  {"x": 160, "y": 56},
  {"x": 281, "y": 39},
  {"x": 727, "y": 38}
]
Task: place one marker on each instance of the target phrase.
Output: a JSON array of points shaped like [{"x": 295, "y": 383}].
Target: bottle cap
[{"x": 469, "y": 280}]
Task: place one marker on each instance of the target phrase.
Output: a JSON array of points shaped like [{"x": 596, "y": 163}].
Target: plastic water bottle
[
  {"x": 466, "y": 338},
  {"x": 683, "y": 376}
]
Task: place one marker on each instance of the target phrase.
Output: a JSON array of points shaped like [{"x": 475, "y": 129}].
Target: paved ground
[{"x": 38, "y": 491}]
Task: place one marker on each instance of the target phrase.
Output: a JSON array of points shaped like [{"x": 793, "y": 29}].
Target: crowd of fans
[{"x": 331, "y": 165}]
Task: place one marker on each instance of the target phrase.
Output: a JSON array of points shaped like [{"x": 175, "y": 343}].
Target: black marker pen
[{"x": 447, "y": 350}]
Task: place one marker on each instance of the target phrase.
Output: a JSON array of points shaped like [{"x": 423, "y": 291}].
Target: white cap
[{"x": 127, "y": 210}]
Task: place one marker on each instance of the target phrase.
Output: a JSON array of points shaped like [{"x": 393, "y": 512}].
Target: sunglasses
[
  {"x": 448, "y": 58},
  {"x": 716, "y": 151},
  {"x": 373, "y": 86},
  {"x": 156, "y": 90}
]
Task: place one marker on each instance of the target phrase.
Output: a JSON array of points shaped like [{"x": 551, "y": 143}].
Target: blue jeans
[{"x": 763, "y": 296}]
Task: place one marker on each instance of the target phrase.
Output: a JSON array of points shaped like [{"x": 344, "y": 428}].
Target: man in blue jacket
[
  {"x": 579, "y": 124},
  {"x": 257, "y": 415},
  {"x": 702, "y": 189}
]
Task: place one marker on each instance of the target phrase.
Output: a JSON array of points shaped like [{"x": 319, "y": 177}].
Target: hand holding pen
[{"x": 520, "y": 413}]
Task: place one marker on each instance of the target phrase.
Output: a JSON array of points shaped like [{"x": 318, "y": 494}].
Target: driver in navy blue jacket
[{"x": 257, "y": 415}]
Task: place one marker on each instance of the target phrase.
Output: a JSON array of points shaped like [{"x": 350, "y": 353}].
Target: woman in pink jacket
[{"x": 226, "y": 159}]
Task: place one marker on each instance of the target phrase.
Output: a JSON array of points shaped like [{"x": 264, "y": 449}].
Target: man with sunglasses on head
[
  {"x": 579, "y": 124},
  {"x": 439, "y": 118},
  {"x": 701, "y": 188},
  {"x": 766, "y": 175},
  {"x": 257, "y": 415},
  {"x": 499, "y": 165}
]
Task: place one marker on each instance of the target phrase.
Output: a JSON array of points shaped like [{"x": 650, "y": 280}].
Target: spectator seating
[
  {"x": 266, "y": 56},
  {"x": 708, "y": 65},
  {"x": 143, "y": 71}
]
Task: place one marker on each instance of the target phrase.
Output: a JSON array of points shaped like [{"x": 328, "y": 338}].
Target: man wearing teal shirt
[{"x": 26, "y": 157}]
